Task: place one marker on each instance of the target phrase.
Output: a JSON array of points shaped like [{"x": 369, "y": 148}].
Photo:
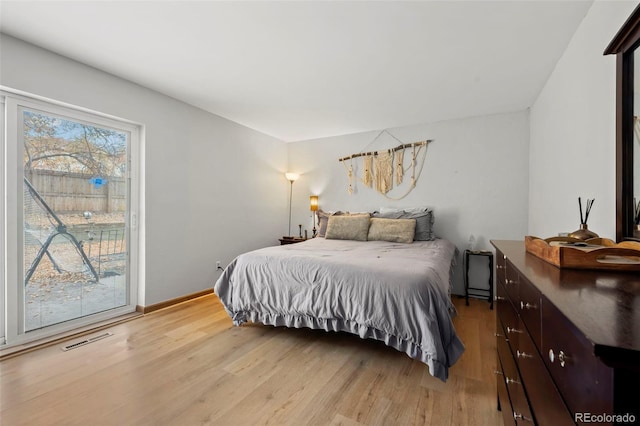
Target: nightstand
[
  {"x": 477, "y": 291},
  {"x": 291, "y": 240}
]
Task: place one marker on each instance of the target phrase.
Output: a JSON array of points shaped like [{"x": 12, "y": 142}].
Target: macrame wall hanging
[{"x": 380, "y": 168}]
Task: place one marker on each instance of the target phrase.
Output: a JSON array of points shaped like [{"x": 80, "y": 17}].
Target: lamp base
[{"x": 313, "y": 234}]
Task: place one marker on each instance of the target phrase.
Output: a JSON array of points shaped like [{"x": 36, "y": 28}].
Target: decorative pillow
[
  {"x": 347, "y": 227},
  {"x": 323, "y": 217},
  {"x": 394, "y": 230},
  {"x": 424, "y": 221}
]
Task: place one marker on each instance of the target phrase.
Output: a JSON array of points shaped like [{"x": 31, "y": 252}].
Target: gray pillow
[
  {"x": 424, "y": 222},
  {"x": 393, "y": 230},
  {"x": 347, "y": 227},
  {"x": 323, "y": 217}
]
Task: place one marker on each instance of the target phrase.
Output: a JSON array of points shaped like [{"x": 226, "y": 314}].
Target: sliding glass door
[{"x": 71, "y": 249}]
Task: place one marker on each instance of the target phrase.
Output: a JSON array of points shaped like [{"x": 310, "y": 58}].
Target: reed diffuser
[{"x": 584, "y": 233}]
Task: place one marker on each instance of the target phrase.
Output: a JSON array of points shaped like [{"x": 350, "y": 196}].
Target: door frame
[{"x": 14, "y": 102}]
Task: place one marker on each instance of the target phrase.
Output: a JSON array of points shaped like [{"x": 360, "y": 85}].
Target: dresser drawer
[
  {"x": 544, "y": 398},
  {"x": 511, "y": 283},
  {"x": 503, "y": 397},
  {"x": 501, "y": 261},
  {"x": 509, "y": 318},
  {"x": 515, "y": 389},
  {"x": 585, "y": 383},
  {"x": 528, "y": 306},
  {"x": 503, "y": 301},
  {"x": 504, "y": 352},
  {"x": 501, "y": 295}
]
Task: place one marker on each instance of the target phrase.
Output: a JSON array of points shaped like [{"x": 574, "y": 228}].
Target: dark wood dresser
[{"x": 568, "y": 342}]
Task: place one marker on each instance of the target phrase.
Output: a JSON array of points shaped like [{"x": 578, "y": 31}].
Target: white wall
[
  {"x": 572, "y": 147},
  {"x": 475, "y": 177},
  {"x": 214, "y": 188}
]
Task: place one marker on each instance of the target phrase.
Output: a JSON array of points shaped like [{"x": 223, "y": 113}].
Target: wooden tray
[{"x": 596, "y": 253}]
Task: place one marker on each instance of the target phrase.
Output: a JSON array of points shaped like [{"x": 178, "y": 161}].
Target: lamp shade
[
  {"x": 291, "y": 176},
  {"x": 313, "y": 203}
]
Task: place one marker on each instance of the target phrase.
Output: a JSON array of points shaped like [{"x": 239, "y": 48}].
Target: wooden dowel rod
[{"x": 397, "y": 148}]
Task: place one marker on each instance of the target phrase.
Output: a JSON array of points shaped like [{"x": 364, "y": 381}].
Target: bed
[{"x": 394, "y": 292}]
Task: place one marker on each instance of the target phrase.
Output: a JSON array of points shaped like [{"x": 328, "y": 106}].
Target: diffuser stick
[
  {"x": 589, "y": 204},
  {"x": 580, "y": 206}
]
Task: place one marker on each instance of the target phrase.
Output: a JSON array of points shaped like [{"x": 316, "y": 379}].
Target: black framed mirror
[{"x": 626, "y": 46}]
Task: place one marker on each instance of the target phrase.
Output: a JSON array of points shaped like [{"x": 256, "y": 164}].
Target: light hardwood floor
[{"x": 187, "y": 365}]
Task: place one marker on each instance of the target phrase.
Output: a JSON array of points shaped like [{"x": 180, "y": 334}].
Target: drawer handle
[
  {"x": 506, "y": 339},
  {"x": 509, "y": 281},
  {"x": 510, "y": 380},
  {"x": 513, "y": 330},
  {"x": 523, "y": 355},
  {"x": 562, "y": 357},
  {"x": 500, "y": 267},
  {"x": 518, "y": 416},
  {"x": 527, "y": 305},
  {"x": 499, "y": 373},
  {"x": 500, "y": 298}
]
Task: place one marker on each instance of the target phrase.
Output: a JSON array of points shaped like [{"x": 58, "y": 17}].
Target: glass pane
[{"x": 75, "y": 196}]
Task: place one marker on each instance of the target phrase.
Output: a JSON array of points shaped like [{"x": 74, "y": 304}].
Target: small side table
[
  {"x": 292, "y": 240},
  {"x": 484, "y": 292}
]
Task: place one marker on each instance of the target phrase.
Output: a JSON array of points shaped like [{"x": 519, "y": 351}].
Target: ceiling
[{"x": 301, "y": 70}]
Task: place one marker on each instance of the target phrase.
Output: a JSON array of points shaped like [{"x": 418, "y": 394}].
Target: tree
[{"x": 54, "y": 143}]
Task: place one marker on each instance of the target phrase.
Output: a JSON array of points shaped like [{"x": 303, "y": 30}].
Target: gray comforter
[{"x": 393, "y": 292}]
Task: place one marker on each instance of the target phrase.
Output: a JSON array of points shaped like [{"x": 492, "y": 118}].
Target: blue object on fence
[{"x": 97, "y": 182}]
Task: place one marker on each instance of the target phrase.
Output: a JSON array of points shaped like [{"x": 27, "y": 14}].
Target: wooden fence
[{"x": 73, "y": 192}]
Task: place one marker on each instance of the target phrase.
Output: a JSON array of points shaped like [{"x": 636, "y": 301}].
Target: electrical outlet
[{"x": 218, "y": 267}]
